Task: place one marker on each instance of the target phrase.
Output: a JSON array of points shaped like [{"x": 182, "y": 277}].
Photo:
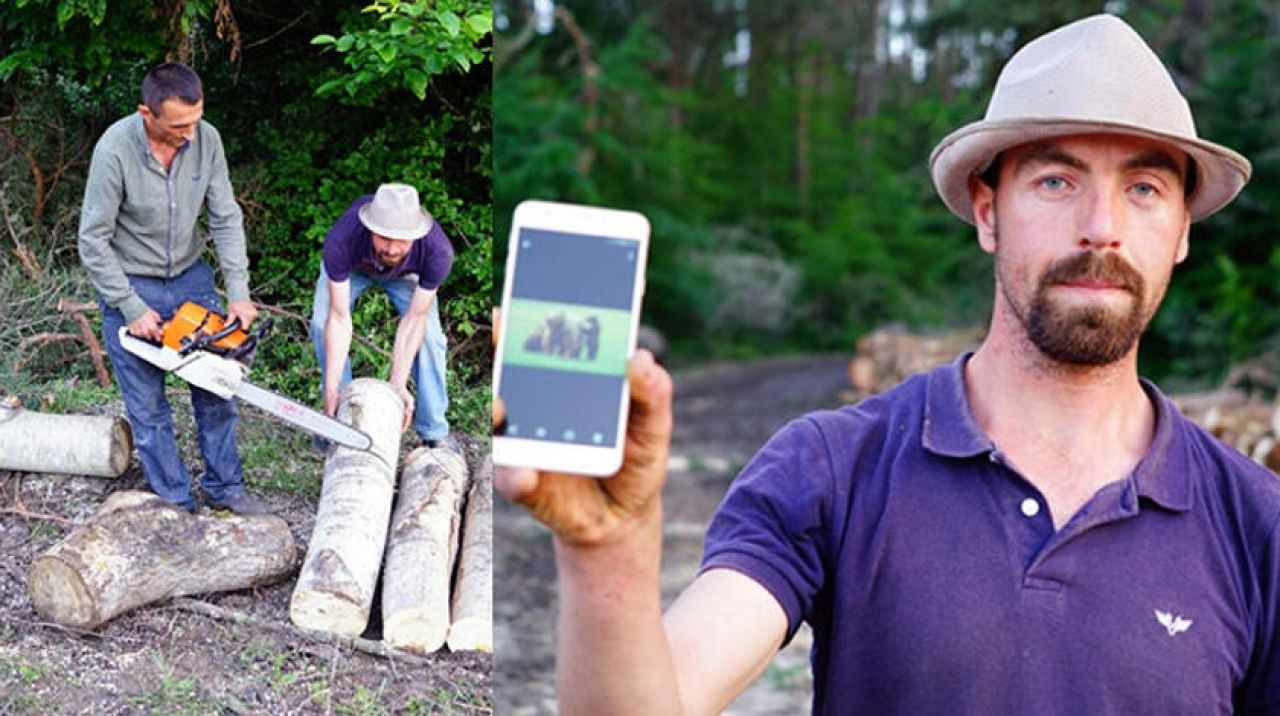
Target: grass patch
[
  {"x": 456, "y": 700},
  {"x": 174, "y": 695},
  {"x": 18, "y": 679}
]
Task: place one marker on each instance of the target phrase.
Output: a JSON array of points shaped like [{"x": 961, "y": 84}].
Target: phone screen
[{"x": 567, "y": 341}]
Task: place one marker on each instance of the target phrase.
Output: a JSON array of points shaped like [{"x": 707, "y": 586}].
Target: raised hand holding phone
[{"x": 574, "y": 282}]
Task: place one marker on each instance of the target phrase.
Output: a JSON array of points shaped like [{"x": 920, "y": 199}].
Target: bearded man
[
  {"x": 1031, "y": 529},
  {"x": 387, "y": 239}
]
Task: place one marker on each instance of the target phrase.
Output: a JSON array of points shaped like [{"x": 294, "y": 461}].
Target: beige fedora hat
[
  {"x": 395, "y": 213},
  {"x": 1094, "y": 75}
]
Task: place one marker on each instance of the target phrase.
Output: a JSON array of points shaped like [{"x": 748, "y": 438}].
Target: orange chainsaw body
[{"x": 193, "y": 321}]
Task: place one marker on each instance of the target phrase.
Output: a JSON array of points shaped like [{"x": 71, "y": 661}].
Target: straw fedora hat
[
  {"x": 1094, "y": 75},
  {"x": 395, "y": 213}
]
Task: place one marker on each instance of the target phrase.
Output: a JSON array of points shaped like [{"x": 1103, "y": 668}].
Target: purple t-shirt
[
  {"x": 935, "y": 583},
  {"x": 349, "y": 247}
]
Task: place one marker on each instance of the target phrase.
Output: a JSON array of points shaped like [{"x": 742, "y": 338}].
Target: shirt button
[{"x": 1030, "y": 507}]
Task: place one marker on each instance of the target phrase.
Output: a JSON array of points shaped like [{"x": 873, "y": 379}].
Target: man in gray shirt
[{"x": 151, "y": 174}]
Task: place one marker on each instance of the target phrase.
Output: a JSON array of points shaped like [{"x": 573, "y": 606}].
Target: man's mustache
[{"x": 1092, "y": 266}]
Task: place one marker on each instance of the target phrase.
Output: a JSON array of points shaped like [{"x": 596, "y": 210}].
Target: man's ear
[
  {"x": 983, "y": 201},
  {"x": 1184, "y": 242},
  {"x": 145, "y": 111}
]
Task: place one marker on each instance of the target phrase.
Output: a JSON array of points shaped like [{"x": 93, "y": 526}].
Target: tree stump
[
  {"x": 335, "y": 587},
  {"x": 139, "y": 549},
  {"x": 31, "y": 441},
  {"x": 472, "y": 605},
  {"x": 421, "y": 551}
]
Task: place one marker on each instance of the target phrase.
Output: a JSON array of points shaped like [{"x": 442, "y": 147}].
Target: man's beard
[
  {"x": 389, "y": 260},
  {"x": 1090, "y": 335}
]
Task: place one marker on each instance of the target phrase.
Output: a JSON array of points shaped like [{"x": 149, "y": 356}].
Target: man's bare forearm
[
  {"x": 613, "y": 654},
  {"x": 409, "y": 336},
  {"x": 337, "y": 341}
]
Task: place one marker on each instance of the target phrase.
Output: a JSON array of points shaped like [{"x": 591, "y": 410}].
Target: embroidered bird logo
[{"x": 1175, "y": 625}]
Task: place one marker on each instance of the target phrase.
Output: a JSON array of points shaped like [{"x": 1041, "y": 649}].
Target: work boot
[
  {"x": 241, "y": 503},
  {"x": 444, "y": 442}
]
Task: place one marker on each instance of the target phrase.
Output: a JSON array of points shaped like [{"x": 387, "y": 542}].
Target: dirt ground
[
  {"x": 723, "y": 414},
  {"x": 161, "y": 659}
]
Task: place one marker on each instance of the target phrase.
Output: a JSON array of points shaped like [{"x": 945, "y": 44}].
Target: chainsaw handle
[{"x": 251, "y": 342}]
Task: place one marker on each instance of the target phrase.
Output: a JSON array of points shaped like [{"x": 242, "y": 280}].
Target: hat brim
[
  {"x": 402, "y": 234},
  {"x": 1220, "y": 172}
]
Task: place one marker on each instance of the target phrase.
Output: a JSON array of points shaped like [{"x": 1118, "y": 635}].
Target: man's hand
[
  {"x": 407, "y": 398},
  {"x": 588, "y": 511},
  {"x": 244, "y": 310},
  {"x": 148, "y": 325}
]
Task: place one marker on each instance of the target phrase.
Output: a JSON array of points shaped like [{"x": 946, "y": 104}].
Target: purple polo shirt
[
  {"x": 933, "y": 579},
  {"x": 349, "y": 247}
]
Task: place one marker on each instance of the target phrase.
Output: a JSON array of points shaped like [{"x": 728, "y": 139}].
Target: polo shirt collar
[{"x": 950, "y": 430}]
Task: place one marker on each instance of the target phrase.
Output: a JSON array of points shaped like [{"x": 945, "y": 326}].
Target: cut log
[
  {"x": 140, "y": 548},
  {"x": 31, "y": 441},
  {"x": 335, "y": 588},
  {"x": 421, "y": 551},
  {"x": 472, "y": 606}
]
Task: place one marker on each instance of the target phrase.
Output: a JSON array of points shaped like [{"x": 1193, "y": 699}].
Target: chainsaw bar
[
  {"x": 300, "y": 415},
  {"x": 225, "y": 377}
]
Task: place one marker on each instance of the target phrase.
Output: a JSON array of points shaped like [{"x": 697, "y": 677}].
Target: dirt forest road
[{"x": 723, "y": 414}]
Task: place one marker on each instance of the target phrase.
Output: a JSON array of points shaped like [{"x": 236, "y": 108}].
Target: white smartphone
[{"x": 571, "y": 307}]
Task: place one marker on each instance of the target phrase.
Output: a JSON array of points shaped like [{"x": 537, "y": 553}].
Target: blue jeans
[
  {"x": 428, "y": 367},
  {"x": 142, "y": 386}
]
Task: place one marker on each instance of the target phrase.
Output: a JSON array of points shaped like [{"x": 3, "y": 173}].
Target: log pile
[
  {"x": 887, "y": 356},
  {"x": 1239, "y": 413},
  {"x": 139, "y": 549},
  {"x": 424, "y": 538},
  {"x": 1246, "y": 422}
]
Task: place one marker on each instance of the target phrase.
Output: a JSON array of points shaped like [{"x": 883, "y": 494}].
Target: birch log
[
  {"x": 335, "y": 587},
  {"x": 472, "y": 605},
  {"x": 139, "y": 549},
  {"x": 420, "y": 551},
  {"x": 31, "y": 441}
]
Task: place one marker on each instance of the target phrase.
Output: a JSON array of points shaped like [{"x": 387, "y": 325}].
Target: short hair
[{"x": 169, "y": 81}]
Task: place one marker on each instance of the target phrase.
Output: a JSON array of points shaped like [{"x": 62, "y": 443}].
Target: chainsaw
[{"x": 205, "y": 349}]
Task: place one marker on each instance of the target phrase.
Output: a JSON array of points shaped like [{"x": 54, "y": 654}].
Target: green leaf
[
  {"x": 401, "y": 26},
  {"x": 330, "y": 87},
  {"x": 417, "y": 81},
  {"x": 387, "y": 52},
  {"x": 481, "y": 24},
  {"x": 345, "y": 43},
  {"x": 450, "y": 22},
  {"x": 323, "y": 40},
  {"x": 66, "y": 10},
  {"x": 414, "y": 9}
]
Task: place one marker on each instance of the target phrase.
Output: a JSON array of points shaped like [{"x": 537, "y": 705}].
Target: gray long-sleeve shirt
[{"x": 138, "y": 219}]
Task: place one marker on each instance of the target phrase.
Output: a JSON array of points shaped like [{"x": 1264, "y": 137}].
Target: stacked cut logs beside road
[
  {"x": 416, "y": 545},
  {"x": 1238, "y": 413}
]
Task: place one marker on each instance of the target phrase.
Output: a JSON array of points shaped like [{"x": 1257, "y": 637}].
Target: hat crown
[
  {"x": 395, "y": 213},
  {"x": 1093, "y": 70}
]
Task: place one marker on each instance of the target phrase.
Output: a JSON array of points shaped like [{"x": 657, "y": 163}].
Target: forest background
[
  {"x": 780, "y": 151},
  {"x": 317, "y": 104}
]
